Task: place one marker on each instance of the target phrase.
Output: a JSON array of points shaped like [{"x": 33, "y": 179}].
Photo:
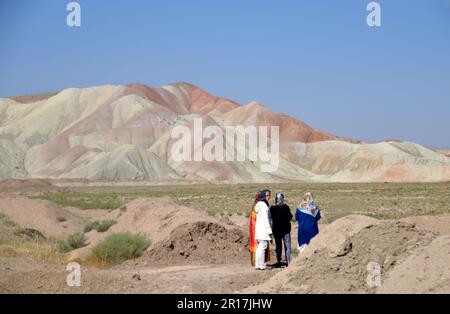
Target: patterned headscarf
[
  {"x": 279, "y": 198},
  {"x": 261, "y": 196},
  {"x": 307, "y": 200},
  {"x": 308, "y": 205},
  {"x": 258, "y": 197}
]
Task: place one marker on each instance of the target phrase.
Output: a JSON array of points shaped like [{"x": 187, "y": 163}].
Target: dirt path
[{"x": 20, "y": 275}]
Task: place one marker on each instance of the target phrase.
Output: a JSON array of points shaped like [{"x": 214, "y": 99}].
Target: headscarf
[
  {"x": 307, "y": 200},
  {"x": 308, "y": 205},
  {"x": 258, "y": 197},
  {"x": 279, "y": 198},
  {"x": 261, "y": 196}
]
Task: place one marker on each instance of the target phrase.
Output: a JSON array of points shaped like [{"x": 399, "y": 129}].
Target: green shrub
[
  {"x": 30, "y": 233},
  {"x": 105, "y": 225},
  {"x": 62, "y": 246},
  {"x": 120, "y": 247},
  {"x": 76, "y": 240},
  {"x": 99, "y": 226},
  {"x": 91, "y": 226}
]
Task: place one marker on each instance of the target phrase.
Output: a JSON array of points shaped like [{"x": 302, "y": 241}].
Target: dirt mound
[
  {"x": 439, "y": 223},
  {"x": 23, "y": 184},
  {"x": 346, "y": 271},
  {"x": 201, "y": 242},
  {"x": 426, "y": 270},
  {"x": 156, "y": 217},
  {"x": 171, "y": 228},
  {"x": 41, "y": 215},
  {"x": 339, "y": 263}
]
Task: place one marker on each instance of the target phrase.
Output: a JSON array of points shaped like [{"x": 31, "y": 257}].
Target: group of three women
[{"x": 268, "y": 223}]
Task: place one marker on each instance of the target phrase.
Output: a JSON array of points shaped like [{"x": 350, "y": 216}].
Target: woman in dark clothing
[{"x": 281, "y": 217}]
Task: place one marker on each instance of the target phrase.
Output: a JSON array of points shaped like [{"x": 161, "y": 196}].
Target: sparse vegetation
[
  {"x": 91, "y": 226},
  {"x": 43, "y": 251},
  {"x": 4, "y": 220},
  {"x": 30, "y": 233},
  {"x": 26, "y": 242},
  {"x": 380, "y": 200},
  {"x": 74, "y": 241},
  {"x": 61, "y": 219},
  {"x": 118, "y": 248},
  {"x": 62, "y": 246},
  {"x": 100, "y": 226},
  {"x": 84, "y": 200}
]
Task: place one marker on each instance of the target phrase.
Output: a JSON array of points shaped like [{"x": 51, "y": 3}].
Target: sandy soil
[
  {"x": 19, "y": 275},
  {"x": 12, "y": 184},
  {"x": 220, "y": 267},
  {"x": 172, "y": 229},
  {"x": 192, "y": 252},
  {"x": 411, "y": 259},
  {"x": 41, "y": 215}
]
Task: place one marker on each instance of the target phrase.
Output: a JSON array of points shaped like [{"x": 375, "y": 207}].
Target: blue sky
[{"x": 316, "y": 60}]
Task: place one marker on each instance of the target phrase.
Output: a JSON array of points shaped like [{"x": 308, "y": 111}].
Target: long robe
[
  {"x": 253, "y": 243},
  {"x": 307, "y": 225}
]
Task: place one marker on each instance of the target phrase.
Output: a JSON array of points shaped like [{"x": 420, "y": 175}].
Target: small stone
[
  {"x": 136, "y": 276},
  {"x": 344, "y": 249}
]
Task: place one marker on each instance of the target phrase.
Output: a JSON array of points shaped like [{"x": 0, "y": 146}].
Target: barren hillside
[{"x": 123, "y": 133}]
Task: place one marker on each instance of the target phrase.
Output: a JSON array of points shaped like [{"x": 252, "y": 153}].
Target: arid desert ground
[{"x": 196, "y": 238}]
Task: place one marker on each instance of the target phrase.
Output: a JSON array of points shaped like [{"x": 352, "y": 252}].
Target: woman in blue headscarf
[{"x": 307, "y": 215}]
